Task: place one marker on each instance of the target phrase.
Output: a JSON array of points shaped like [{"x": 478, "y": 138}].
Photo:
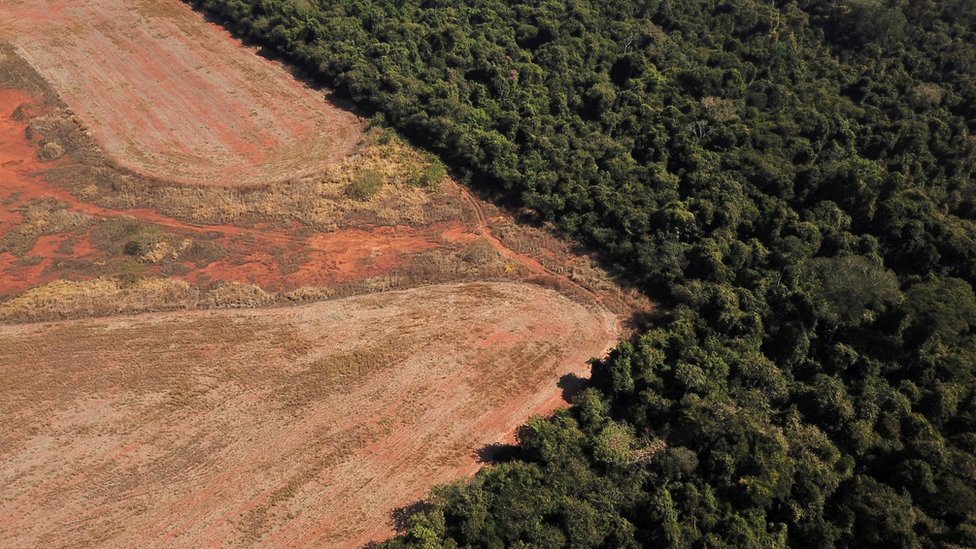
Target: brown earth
[
  {"x": 173, "y": 97},
  {"x": 299, "y": 426}
]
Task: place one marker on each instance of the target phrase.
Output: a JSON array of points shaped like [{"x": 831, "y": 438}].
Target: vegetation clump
[
  {"x": 50, "y": 152},
  {"x": 365, "y": 184},
  {"x": 430, "y": 176}
]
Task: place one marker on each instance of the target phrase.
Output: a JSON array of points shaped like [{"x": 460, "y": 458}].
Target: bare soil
[
  {"x": 298, "y": 426},
  {"x": 173, "y": 97}
]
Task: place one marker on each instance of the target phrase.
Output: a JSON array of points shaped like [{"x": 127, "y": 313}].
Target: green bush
[
  {"x": 142, "y": 240},
  {"x": 365, "y": 184},
  {"x": 134, "y": 247},
  {"x": 430, "y": 177}
]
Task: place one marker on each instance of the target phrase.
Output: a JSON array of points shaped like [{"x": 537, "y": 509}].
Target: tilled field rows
[
  {"x": 173, "y": 97},
  {"x": 296, "y": 426}
]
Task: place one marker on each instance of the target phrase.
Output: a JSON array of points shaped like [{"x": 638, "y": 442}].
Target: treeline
[{"x": 793, "y": 179}]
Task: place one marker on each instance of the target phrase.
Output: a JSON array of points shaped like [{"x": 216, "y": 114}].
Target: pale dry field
[
  {"x": 295, "y": 426},
  {"x": 172, "y": 97}
]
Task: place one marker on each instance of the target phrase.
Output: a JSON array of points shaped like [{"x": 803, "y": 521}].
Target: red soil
[
  {"x": 234, "y": 428},
  {"x": 173, "y": 97},
  {"x": 17, "y": 159},
  {"x": 253, "y": 254},
  {"x": 272, "y": 258}
]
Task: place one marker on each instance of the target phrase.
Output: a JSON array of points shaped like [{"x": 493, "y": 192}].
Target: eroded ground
[{"x": 78, "y": 241}]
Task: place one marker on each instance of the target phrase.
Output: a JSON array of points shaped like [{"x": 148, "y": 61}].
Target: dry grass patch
[
  {"x": 41, "y": 217},
  {"x": 67, "y": 299},
  {"x": 63, "y": 299},
  {"x": 338, "y": 373},
  {"x": 372, "y": 185},
  {"x": 16, "y": 73},
  {"x": 237, "y": 296}
]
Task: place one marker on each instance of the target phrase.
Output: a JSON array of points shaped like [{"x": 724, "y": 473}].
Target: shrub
[
  {"x": 434, "y": 174},
  {"x": 365, "y": 184},
  {"x": 50, "y": 152}
]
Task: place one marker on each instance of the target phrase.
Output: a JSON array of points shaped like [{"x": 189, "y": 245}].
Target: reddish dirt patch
[
  {"x": 326, "y": 259},
  {"x": 173, "y": 97},
  {"x": 251, "y": 255},
  {"x": 274, "y": 258},
  {"x": 280, "y": 427},
  {"x": 17, "y": 157}
]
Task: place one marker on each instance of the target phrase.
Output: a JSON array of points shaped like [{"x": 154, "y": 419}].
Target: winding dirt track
[
  {"x": 282, "y": 427},
  {"x": 175, "y": 98}
]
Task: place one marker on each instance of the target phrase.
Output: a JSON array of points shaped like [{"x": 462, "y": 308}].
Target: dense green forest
[{"x": 792, "y": 180}]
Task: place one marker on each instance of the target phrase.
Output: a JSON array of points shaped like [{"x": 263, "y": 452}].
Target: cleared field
[
  {"x": 300, "y": 426},
  {"x": 173, "y": 97}
]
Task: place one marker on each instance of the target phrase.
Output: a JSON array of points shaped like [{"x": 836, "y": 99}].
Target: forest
[{"x": 791, "y": 180}]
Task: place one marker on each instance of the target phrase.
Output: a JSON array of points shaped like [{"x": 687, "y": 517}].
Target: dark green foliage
[
  {"x": 793, "y": 179},
  {"x": 134, "y": 247}
]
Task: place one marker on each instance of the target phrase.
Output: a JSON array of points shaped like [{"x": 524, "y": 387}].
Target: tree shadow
[
  {"x": 643, "y": 321},
  {"x": 495, "y": 453},
  {"x": 571, "y": 385},
  {"x": 400, "y": 517}
]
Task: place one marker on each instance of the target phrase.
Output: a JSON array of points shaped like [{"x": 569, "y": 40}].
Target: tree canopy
[{"x": 792, "y": 179}]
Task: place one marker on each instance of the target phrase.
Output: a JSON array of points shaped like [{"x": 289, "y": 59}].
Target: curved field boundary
[
  {"x": 300, "y": 426},
  {"x": 174, "y": 98}
]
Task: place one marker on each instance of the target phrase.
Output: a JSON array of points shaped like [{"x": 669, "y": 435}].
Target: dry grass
[
  {"x": 41, "y": 217},
  {"x": 338, "y": 373},
  {"x": 238, "y": 296},
  {"x": 17, "y": 74},
  {"x": 134, "y": 291},
  {"x": 323, "y": 202},
  {"x": 63, "y": 299}
]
